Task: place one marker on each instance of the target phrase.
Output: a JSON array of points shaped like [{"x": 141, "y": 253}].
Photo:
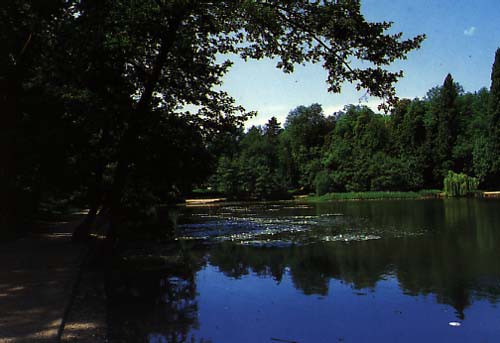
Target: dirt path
[
  {"x": 37, "y": 278},
  {"x": 86, "y": 321}
]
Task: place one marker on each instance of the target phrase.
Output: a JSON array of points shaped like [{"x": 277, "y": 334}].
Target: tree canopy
[
  {"x": 104, "y": 86},
  {"x": 446, "y": 139}
]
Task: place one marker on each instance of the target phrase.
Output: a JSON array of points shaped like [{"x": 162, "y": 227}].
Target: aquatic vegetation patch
[
  {"x": 238, "y": 230},
  {"x": 254, "y": 226},
  {"x": 269, "y": 243},
  {"x": 350, "y": 238}
]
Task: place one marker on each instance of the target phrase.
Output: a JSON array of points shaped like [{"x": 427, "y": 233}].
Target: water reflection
[
  {"x": 452, "y": 272},
  {"x": 429, "y": 254},
  {"x": 155, "y": 306}
]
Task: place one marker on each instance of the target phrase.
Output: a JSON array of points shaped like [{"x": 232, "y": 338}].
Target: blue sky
[{"x": 462, "y": 37}]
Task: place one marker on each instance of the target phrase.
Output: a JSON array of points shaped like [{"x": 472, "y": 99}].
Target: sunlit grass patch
[{"x": 426, "y": 193}]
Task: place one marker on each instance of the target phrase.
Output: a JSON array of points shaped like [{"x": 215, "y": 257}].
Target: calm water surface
[{"x": 372, "y": 271}]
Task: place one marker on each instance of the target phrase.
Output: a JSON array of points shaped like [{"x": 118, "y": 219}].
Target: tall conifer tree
[
  {"x": 446, "y": 127},
  {"x": 486, "y": 153},
  {"x": 494, "y": 114}
]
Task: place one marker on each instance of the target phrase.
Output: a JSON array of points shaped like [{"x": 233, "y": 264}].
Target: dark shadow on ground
[{"x": 37, "y": 274}]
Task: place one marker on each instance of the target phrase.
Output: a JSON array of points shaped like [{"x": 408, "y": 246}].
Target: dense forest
[{"x": 411, "y": 148}]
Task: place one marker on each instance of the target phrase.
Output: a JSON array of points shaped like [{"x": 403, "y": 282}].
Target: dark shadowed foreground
[{"x": 37, "y": 275}]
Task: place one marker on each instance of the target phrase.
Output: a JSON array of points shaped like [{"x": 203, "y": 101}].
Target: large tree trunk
[
  {"x": 8, "y": 131},
  {"x": 95, "y": 196}
]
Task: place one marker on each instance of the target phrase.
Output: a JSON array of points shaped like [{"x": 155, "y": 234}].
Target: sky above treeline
[{"x": 462, "y": 37}]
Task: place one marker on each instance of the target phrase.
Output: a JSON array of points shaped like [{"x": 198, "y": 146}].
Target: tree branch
[
  {"x": 25, "y": 46},
  {"x": 304, "y": 28}
]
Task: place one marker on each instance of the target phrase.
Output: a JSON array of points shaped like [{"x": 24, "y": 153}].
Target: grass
[{"x": 426, "y": 193}]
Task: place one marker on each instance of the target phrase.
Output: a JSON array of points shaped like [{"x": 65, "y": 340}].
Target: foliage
[
  {"x": 494, "y": 121},
  {"x": 446, "y": 125},
  {"x": 323, "y": 182},
  {"x": 358, "y": 150},
  {"x": 32, "y": 130},
  {"x": 456, "y": 185},
  {"x": 306, "y": 130},
  {"x": 373, "y": 195},
  {"x": 360, "y": 158},
  {"x": 254, "y": 171},
  {"x": 108, "y": 118}
]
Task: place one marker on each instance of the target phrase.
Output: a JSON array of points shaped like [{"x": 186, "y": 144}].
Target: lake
[{"x": 352, "y": 271}]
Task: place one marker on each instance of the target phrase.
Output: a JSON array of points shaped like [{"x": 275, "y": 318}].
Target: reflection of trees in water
[
  {"x": 154, "y": 307},
  {"x": 311, "y": 266},
  {"x": 454, "y": 260},
  {"x": 236, "y": 260}
]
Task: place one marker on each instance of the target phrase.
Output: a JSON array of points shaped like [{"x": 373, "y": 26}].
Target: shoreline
[
  {"x": 423, "y": 194},
  {"x": 359, "y": 196},
  {"x": 346, "y": 196}
]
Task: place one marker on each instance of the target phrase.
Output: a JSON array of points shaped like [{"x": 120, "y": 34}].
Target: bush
[
  {"x": 323, "y": 183},
  {"x": 456, "y": 185}
]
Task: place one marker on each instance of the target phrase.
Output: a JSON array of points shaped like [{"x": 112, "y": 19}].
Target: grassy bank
[{"x": 426, "y": 193}]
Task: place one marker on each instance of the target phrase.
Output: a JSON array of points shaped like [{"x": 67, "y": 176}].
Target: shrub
[
  {"x": 323, "y": 183},
  {"x": 456, "y": 185}
]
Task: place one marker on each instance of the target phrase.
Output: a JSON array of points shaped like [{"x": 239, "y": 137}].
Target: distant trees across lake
[{"x": 411, "y": 148}]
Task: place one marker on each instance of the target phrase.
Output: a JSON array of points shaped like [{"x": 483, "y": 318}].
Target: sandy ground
[
  {"x": 37, "y": 281},
  {"x": 86, "y": 320},
  {"x": 198, "y": 202}
]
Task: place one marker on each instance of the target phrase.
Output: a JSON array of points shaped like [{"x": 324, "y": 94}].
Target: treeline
[{"x": 412, "y": 148}]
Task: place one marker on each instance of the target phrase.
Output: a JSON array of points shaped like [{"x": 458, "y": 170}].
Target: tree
[
  {"x": 26, "y": 37},
  {"x": 494, "y": 119},
  {"x": 272, "y": 131},
  {"x": 174, "y": 43},
  {"x": 272, "y": 128},
  {"x": 445, "y": 112},
  {"x": 306, "y": 129},
  {"x": 480, "y": 142},
  {"x": 486, "y": 156},
  {"x": 143, "y": 61},
  {"x": 494, "y": 100},
  {"x": 360, "y": 150}
]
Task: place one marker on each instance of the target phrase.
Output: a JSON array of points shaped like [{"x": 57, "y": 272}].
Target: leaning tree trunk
[
  {"x": 110, "y": 204},
  {"x": 136, "y": 123},
  {"x": 95, "y": 196}
]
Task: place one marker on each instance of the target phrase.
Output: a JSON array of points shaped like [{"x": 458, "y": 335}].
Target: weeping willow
[{"x": 457, "y": 185}]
